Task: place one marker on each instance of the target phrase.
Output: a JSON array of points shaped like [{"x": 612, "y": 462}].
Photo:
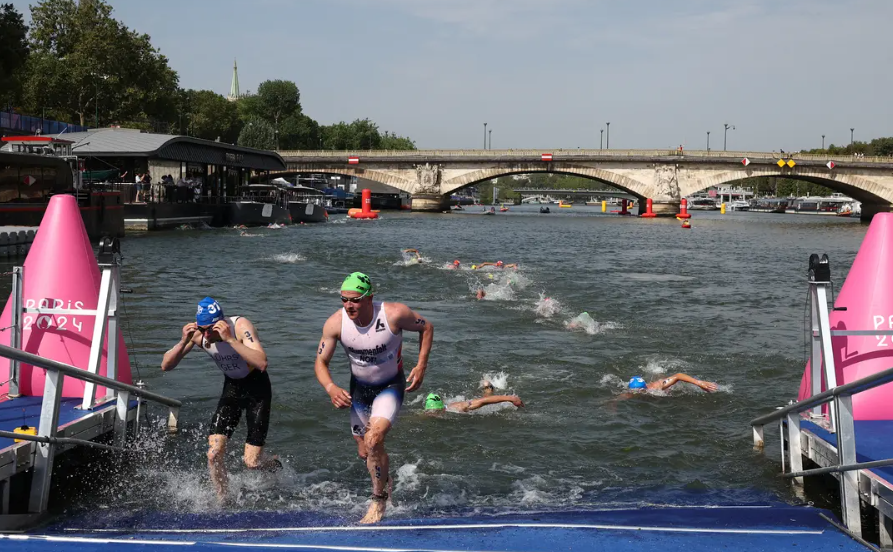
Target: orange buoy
[{"x": 683, "y": 210}]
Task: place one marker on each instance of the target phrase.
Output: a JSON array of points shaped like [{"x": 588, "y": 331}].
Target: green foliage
[
  {"x": 362, "y": 134},
  {"x": 879, "y": 146},
  {"x": 300, "y": 132},
  {"x": 13, "y": 54},
  {"x": 277, "y": 99},
  {"x": 257, "y": 133},
  {"x": 782, "y": 187},
  {"x": 85, "y": 61},
  {"x": 398, "y": 143},
  {"x": 206, "y": 114}
]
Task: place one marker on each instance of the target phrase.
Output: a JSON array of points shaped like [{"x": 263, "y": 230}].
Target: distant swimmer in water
[
  {"x": 371, "y": 333},
  {"x": 455, "y": 265},
  {"x": 638, "y": 383},
  {"x": 433, "y": 402},
  {"x": 497, "y": 264},
  {"x": 232, "y": 342},
  {"x": 418, "y": 256},
  {"x": 481, "y": 294}
]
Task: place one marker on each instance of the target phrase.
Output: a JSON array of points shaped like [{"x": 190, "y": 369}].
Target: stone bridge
[{"x": 664, "y": 176}]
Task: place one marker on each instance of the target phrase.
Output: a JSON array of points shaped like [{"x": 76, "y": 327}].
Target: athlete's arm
[
  {"x": 331, "y": 333},
  {"x": 173, "y": 357},
  {"x": 246, "y": 343},
  {"x": 494, "y": 399},
  {"x": 707, "y": 386},
  {"x": 404, "y": 318}
]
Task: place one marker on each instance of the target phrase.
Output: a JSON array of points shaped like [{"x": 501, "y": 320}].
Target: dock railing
[
  {"x": 105, "y": 330},
  {"x": 841, "y": 419}
]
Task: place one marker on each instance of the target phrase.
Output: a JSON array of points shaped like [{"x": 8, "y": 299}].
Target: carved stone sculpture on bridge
[
  {"x": 666, "y": 183},
  {"x": 428, "y": 179}
]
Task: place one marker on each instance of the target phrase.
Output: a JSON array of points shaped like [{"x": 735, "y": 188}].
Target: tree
[
  {"x": 393, "y": 142},
  {"x": 206, "y": 114},
  {"x": 13, "y": 53},
  {"x": 300, "y": 132},
  {"x": 276, "y": 100},
  {"x": 85, "y": 61},
  {"x": 257, "y": 133}
]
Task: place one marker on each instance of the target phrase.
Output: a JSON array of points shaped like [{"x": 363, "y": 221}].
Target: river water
[{"x": 723, "y": 301}]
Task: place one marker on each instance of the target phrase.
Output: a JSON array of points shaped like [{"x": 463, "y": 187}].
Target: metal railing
[
  {"x": 31, "y": 125},
  {"x": 105, "y": 330},
  {"x": 841, "y": 412},
  {"x": 557, "y": 153}
]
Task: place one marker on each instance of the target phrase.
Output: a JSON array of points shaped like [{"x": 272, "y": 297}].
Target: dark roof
[{"x": 111, "y": 142}]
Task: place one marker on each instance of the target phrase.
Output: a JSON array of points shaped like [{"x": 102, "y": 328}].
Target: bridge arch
[
  {"x": 380, "y": 176},
  {"x": 622, "y": 182},
  {"x": 858, "y": 187}
]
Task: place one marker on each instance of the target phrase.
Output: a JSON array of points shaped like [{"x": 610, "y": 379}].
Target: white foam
[
  {"x": 546, "y": 307},
  {"x": 407, "y": 478},
  {"x": 288, "y": 258},
  {"x": 586, "y": 323},
  {"x": 498, "y": 379}
]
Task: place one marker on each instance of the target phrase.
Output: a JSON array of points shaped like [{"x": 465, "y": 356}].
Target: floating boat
[
  {"x": 545, "y": 210},
  {"x": 564, "y": 205},
  {"x": 260, "y": 205}
]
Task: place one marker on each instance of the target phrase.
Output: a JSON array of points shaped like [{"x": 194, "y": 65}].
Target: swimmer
[
  {"x": 371, "y": 333},
  {"x": 232, "y": 342},
  {"x": 497, "y": 264},
  {"x": 481, "y": 294},
  {"x": 638, "y": 383},
  {"x": 418, "y": 256},
  {"x": 434, "y": 404},
  {"x": 455, "y": 265}
]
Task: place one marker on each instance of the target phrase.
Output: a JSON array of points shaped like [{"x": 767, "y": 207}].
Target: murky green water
[{"x": 723, "y": 301}]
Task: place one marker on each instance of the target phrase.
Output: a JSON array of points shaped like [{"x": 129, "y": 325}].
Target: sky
[{"x": 550, "y": 73}]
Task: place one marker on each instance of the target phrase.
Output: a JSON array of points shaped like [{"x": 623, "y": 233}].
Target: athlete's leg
[
  {"x": 257, "y": 417},
  {"x": 377, "y": 463},
  {"x": 216, "y": 466},
  {"x": 361, "y": 447}
]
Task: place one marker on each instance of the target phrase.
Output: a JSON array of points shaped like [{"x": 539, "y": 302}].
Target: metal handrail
[
  {"x": 851, "y": 388},
  {"x": 68, "y": 370}
]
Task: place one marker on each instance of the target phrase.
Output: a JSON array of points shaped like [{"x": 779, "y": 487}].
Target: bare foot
[{"x": 375, "y": 511}]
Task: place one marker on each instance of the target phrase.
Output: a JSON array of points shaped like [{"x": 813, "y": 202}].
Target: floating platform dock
[{"x": 685, "y": 529}]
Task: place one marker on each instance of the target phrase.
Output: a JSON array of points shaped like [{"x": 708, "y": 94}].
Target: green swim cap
[
  {"x": 434, "y": 402},
  {"x": 358, "y": 282}
]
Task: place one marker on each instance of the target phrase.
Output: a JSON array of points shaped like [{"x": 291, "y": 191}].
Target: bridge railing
[{"x": 558, "y": 153}]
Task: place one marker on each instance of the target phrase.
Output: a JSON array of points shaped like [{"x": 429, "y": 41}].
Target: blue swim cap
[
  {"x": 209, "y": 312},
  {"x": 638, "y": 382}
]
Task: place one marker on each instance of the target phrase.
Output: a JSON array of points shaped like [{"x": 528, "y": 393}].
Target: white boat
[
  {"x": 738, "y": 205},
  {"x": 819, "y": 205}
]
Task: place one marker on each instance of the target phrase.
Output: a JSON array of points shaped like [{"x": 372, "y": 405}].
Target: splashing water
[
  {"x": 546, "y": 307},
  {"x": 499, "y": 380},
  {"x": 288, "y": 258},
  {"x": 586, "y": 323}
]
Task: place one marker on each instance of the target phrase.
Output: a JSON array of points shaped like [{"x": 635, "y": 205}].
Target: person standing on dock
[
  {"x": 233, "y": 344},
  {"x": 371, "y": 333}
]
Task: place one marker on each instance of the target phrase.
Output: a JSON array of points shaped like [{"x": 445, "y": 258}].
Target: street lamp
[
  {"x": 708, "y": 141},
  {"x": 823, "y": 141},
  {"x": 485, "y": 135},
  {"x": 608, "y": 136},
  {"x": 851, "y": 137},
  {"x": 490, "y": 136},
  {"x": 601, "y": 139},
  {"x": 726, "y": 127}
]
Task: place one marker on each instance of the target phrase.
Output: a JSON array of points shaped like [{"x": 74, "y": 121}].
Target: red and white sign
[
  {"x": 745, "y": 161},
  {"x": 353, "y": 160},
  {"x": 28, "y": 180},
  {"x": 547, "y": 157},
  {"x": 830, "y": 164}
]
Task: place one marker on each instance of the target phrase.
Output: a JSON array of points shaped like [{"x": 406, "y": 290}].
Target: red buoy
[
  {"x": 683, "y": 210},
  {"x": 648, "y": 212},
  {"x": 366, "y": 212}
]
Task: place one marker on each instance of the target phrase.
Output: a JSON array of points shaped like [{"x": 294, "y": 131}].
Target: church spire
[{"x": 234, "y": 88}]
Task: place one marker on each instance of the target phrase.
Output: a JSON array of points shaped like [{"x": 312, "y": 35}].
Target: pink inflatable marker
[
  {"x": 60, "y": 272},
  {"x": 867, "y": 295}
]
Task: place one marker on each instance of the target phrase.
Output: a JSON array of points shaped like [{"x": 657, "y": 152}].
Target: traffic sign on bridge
[
  {"x": 830, "y": 164},
  {"x": 353, "y": 160},
  {"x": 745, "y": 161},
  {"x": 28, "y": 180},
  {"x": 546, "y": 157}
]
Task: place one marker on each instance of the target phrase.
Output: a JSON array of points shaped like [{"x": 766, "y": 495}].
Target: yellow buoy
[
  {"x": 722, "y": 208},
  {"x": 604, "y": 206}
]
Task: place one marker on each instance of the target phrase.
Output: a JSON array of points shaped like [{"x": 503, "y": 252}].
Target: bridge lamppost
[
  {"x": 608, "y": 136},
  {"x": 726, "y": 127},
  {"x": 823, "y": 141},
  {"x": 601, "y": 139},
  {"x": 708, "y": 141},
  {"x": 490, "y": 139},
  {"x": 851, "y": 137},
  {"x": 485, "y": 135}
]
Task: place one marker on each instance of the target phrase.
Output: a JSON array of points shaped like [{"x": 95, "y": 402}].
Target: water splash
[
  {"x": 586, "y": 323},
  {"x": 546, "y": 307},
  {"x": 288, "y": 258}
]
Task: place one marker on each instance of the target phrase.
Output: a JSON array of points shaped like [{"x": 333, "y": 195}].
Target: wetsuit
[
  {"x": 244, "y": 388},
  {"x": 377, "y": 382}
]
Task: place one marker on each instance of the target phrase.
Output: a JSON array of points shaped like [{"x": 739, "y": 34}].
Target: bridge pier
[
  {"x": 663, "y": 208},
  {"x": 432, "y": 203},
  {"x": 869, "y": 210}
]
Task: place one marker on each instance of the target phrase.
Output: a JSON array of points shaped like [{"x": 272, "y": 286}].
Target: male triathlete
[
  {"x": 234, "y": 346},
  {"x": 371, "y": 333}
]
